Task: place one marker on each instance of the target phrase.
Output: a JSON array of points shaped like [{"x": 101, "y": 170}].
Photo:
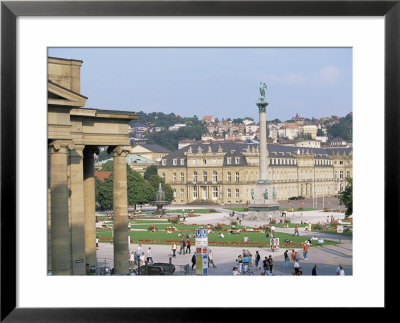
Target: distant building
[
  {"x": 311, "y": 130},
  {"x": 176, "y": 126},
  {"x": 208, "y": 119},
  {"x": 226, "y": 172},
  {"x": 152, "y": 152}
]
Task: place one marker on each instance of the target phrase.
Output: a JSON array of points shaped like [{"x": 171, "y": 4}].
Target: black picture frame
[{"x": 10, "y": 10}]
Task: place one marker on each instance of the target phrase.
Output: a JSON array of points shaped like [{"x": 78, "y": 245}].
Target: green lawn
[
  {"x": 179, "y": 211},
  {"x": 236, "y": 209},
  {"x": 255, "y": 238}
]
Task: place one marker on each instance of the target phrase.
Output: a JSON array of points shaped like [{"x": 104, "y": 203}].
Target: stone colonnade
[{"x": 72, "y": 208}]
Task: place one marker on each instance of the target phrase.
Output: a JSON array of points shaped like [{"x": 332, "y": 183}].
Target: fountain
[{"x": 160, "y": 201}]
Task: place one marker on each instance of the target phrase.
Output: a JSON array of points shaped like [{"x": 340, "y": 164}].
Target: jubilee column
[
  {"x": 120, "y": 208},
  {"x": 262, "y": 105}
]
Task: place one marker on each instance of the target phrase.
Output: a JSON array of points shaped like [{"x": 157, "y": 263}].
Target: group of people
[
  {"x": 185, "y": 245},
  {"x": 210, "y": 259},
  {"x": 138, "y": 258}
]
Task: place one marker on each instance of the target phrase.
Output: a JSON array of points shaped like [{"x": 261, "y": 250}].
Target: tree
[
  {"x": 104, "y": 191},
  {"x": 346, "y": 197},
  {"x": 139, "y": 191},
  {"x": 320, "y": 133},
  {"x": 107, "y": 166},
  {"x": 150, "y": 170}
]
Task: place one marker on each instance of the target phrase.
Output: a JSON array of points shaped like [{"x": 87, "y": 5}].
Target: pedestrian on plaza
[
  {"x": 193, "y": 260},
  {"x": 211, "y": 258},
  {"x": 297, "y": 257},
  {"x": 341, "y": 273},
  {"x": 293, "y": 255},
  {"x": 149, "y": 257},
  {"x": 314, "y": 271},
  {"x": 142, "y": 260},
  {"x": 173, "y": 247},
  {"x": 286, "y": 261},
  {"x": 132, "y": 259},
  {"x": 296, "y": 267},
  {"x": 235, "y": 271},
  {"x": 296, "y": 230},
  {"x": 188, "y": 246},
  {"x": 97, "y": 243},
  {"x": 338, "y": 268},
  {"x": 270, "y": 264},
  {"x": 305, "y": 251},
  {"x": 183, "y": 245},
  {"x": 138, "y": 253},
  {"x": 266, "y": 265},
  {"x": 258, "y": 258},
  {"x": 239, "y": 261}
]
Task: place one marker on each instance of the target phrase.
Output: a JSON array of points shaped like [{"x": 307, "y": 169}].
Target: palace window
[
  {"x": 237, "y": 177},
  {"x": 229, "y": 193},
  {"x": 174, "y": 193},
  {"x": 204, "y": 161},
  {"x": 237, "y": 192},
  {"x": 195, "y": 194},
  {"x": 229, "y": 160},
  {"x": 237, "y": 160},
  {"x": 204, "y": 176},
  {"x": 194, "y": 177},
  {"x": 341, "y": 186},
  {"x": 174, "y": 161},
  {"x": 182, "y": 177},
  {"x": 163, "y": 176},
  {"x": 164, "y": 162},
  {"x": 229, "y": 178},
  {"x": 341, "y": 162},
  {"x": 215, "y": 178},
  {"x": 182, "y": 162},
  {"x": 348, "y": 174},
  {"x": 341, "y": 174},
  {"x": 174, "y": 177},
  {"x": 182, "y": 192},
  {"x": 215, "y": 192}
]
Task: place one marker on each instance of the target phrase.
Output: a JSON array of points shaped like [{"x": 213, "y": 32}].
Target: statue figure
[
  {"x": 263, "y": 86},
  {"x": 274, "y": 194},
  {"x": 252, "y": 194},
  {"x": 266, "y": 194}
]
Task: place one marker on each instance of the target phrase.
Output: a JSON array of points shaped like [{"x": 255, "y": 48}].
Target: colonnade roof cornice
[{"x": 104, "y": 114}]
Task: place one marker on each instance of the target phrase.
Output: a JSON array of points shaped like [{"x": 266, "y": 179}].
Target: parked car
[
  {"x": 300, "y": 197},
  {"x": 293, "y": 198},
  {"x": 156, "y": 269}
]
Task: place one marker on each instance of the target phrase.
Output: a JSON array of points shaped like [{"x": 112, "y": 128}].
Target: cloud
[{"x": 329, "y": 74}]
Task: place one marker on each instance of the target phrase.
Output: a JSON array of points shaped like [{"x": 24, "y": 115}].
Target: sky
[{"x": 222, "y": 82}]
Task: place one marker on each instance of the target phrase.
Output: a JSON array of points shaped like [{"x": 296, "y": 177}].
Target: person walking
[
  {"x": 265, "y": 266},
  {"x": 258, "y": 257},
  {"x": 138, "y": 253},
  {"x": 97, "y": 243},
  {"x": 286, "y": 261},
  {"x": 296, "y": 267},
  {"x": 193, "y": 260},
  {"x": 211, "y": 258},
  {"x": 173, "y": 247},
  {"x": 183, "y": 245},
  {"x": 141, "y": 258},
  {"x": 270, "y": 263},
  {"x": 314, "y": 270},
  {"x": 239, "y": 261},
  {"x": 149, "y": 257},
  {"x": 305, "y": 251},
  {"x": 188, "y": 244},
  {"x": 296, "y": 230},
  {"x": 341, "y": 271},
  {"x": 132, "y": 259},
  {"x": 293, "y": 255}
]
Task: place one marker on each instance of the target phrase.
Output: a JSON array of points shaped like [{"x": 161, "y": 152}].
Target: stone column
[
  {"x": 60, "y": 229},
  {"x": 89, "y": 206},
  {"x": 120, "y": 208},
  {"x": 77, "y": 211},
  {"x": 263, "y": 141}
]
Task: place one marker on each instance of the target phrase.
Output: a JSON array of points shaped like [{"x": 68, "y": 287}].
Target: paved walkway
[{"x": 327, "y": 258}]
